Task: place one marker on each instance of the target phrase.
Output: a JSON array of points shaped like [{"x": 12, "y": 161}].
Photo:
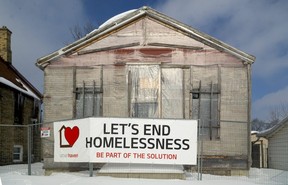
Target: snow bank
[
  {"x": 17, "y": 174},
  {"x": 141, "y": 168}
]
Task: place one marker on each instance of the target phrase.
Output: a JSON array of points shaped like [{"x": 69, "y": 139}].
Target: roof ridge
[{"x": 133, "y": 15}]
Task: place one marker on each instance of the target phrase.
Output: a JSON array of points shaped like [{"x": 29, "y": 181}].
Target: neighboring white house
[{"x": 278, "y": 145}]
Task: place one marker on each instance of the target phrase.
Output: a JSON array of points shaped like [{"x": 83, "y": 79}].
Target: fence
[{"x": 21, "y": 145}]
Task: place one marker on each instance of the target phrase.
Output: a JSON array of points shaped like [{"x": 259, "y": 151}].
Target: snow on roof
[
  {"x": 116, "y": 17},
  {"x": 11, "y": 77},
  {"x": 254, "y": 132},
  {"x": 12, "y": 85},
  {"x": 130, "y": 15},
  {"x": 111, "y": 20},
  {"x": 271, "y": 131}
]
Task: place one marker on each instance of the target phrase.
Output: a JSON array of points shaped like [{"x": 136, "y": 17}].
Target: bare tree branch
[
  {"x": 279, "y": 112},
  {"x": 78, "y": 31}
]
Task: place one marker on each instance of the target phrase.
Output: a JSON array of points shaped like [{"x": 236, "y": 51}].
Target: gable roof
[
  {"x": 12, "y": 78},
  {"x": 122, "y": 19},
  {"x": 271, "y": 131}
]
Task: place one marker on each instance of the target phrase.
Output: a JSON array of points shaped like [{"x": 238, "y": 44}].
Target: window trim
[{"x": 20, "y": 154}]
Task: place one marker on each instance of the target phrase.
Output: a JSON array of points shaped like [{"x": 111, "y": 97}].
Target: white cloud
[
  {"x": 262, "y": 107},
  {"x": 256, "y": 27},
  {"x": 38, "y": 28}
]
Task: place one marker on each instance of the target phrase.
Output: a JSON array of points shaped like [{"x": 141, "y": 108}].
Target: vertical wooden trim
[
  {"x": 211, "y": 109},
  {"x": 75, "y": 92},
  {"x": 83, "y": 102},
  {"x": 191, "y": 94},
  {"x": 93, "y": 99},
  {"x": 249, "y": 162},
  {"x": 160, "y": 93},
  {"x": 183, "y": 93},
  {"x": 101, "y": 91},
  {"x": 219, "y": 99},
  {"x": 129, "y": 93},
  {"x": 199, "y": 105}
]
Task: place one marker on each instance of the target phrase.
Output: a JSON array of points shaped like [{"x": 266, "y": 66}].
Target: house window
[
  {"x": 36, "y": 109},
  {"x": 18, "y": 107},
  {"x": 155, "y": 92},
  {"x": 17, "y": 153},
  {"x": 144, "y": 91},
  {"x": 88, "y": 101},
  {"x": 205, "y": 108}
]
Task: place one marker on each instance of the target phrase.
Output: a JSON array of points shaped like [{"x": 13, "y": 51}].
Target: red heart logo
[{"x": 71, "y": 135}]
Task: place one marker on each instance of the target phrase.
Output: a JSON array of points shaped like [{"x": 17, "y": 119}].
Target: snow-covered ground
[{"x": 17, "y": 174}]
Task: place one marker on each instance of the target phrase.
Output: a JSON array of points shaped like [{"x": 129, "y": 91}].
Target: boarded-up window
[
  {"x": 88, "y": 101},
  {"x": 205, "y": 108}
]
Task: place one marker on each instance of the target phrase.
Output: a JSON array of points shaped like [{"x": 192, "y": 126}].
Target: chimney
[{"x": 5, "y": 44}]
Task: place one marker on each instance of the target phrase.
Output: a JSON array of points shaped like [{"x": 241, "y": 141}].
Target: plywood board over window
[
  {"x": 88, "y": 89},
  {"x": 205, "y": 100}
]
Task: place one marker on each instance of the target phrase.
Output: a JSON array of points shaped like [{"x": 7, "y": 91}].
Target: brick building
[
  {"x": 145, "y": 64},
  {"x": 19, "y": 104}
]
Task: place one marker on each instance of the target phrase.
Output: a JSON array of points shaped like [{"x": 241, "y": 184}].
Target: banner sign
[{"x": 126, "y": 140}]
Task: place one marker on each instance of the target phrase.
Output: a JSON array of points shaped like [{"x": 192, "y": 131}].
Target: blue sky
[{"x": 258, "y": 27}]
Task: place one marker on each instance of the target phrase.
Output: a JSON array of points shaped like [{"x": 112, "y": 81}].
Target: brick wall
[
  {"x": 5, "y": 44},
  {"x": 10, "y": 136}
]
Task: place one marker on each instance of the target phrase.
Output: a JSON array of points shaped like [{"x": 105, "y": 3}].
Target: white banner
[{"x": 126, "y": 140}]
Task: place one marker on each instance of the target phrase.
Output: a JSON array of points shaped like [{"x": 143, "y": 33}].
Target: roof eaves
[
  {"x": 209, "y": 40},
  {"x": 271, "y": 131},
  {"x": 44, "y": 61},
  {"x": 193, "y": 33},
  {"x": 11, "y": 77},
  {"x": 30, "y": 86}
]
